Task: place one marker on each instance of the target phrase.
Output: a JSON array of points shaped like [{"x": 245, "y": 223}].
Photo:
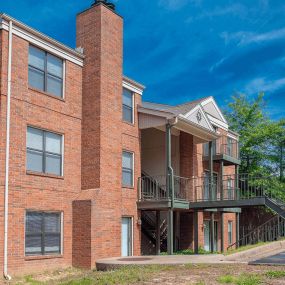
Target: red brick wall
[
  {"x": 104, "y": 135},
  {"x": 30, "y": 191}
]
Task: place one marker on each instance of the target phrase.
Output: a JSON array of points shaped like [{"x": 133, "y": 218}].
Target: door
[
  {"x": 207, "y": 235},
  {"x": 210, "y": 188},
  {"x": 127, "y": 236}
]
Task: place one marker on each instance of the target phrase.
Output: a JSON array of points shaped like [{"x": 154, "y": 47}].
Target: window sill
[
  {"x": 130, "y": 124},
  {"x": 47, "y": 94},
  {"x": 128, "y": 187},
  {"x": 28, "y": 172},
  {"x": 41, "y": 257}
]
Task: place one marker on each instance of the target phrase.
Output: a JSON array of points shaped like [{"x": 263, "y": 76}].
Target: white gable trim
[
  {"x": 42, "y": 41},
  {"x": 212, "y": 100},
  {"x": 216, "y": 122},
  {"x": 132, "y": 87},
  {"x": 198, "y": 107}
]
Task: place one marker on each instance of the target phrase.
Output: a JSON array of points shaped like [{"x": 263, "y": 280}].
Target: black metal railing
[
  {"x": 216, "y": 188},
  {"x": 154, "y": 188},
  {"x": 237, "y": 187},
  {"x": 223, "y": 145},
  {"x": 272, "y": 230}
]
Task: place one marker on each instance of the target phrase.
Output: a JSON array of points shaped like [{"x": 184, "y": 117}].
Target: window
[
  {"x": 128, "y": 169},
  {"x": 128, "y": 112},
  {"x": 43, "y": 233},
  {"x": 206, "y": 148},
  {"x": 230, "y": 188},
  {"x": 45, "y": 71},
  {"x": 230, "y": 232},
  {"x": 44, "y": 151},
  {"x": 229, "y": 146}
]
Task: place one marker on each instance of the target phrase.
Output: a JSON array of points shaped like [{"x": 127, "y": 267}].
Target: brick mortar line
[{"x": 14, "y": 98}]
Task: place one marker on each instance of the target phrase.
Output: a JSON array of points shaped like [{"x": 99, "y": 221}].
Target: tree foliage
[{"x": 260, "y": 136}]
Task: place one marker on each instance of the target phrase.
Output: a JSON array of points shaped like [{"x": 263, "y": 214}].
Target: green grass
[
  {"x": 226, "y": 279},
  {"x": 248, "y": 279},
  {"x": 275, "y": 274},
  {"x": 122, "y": 276},
  {"x": 246, "y": 247}
]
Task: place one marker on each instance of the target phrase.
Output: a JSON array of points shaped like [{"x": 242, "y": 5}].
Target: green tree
[{"x": 260, "y": 136}]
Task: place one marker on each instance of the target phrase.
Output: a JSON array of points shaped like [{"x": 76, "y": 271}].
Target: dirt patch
[{"x": 201, "y": 274}]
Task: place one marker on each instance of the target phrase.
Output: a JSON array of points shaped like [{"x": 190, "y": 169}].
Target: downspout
[
  {"x": 170, "y": 184},
  {"x": 6, "y": 204}
]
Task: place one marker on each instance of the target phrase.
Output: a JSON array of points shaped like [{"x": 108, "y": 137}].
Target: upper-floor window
[
  {"x": 206, "y": 148},
  {"x": 45, "y": 71},
  {"x": 42, "y": 233},
  {"x": 230, "y": 144},
  {"x": 128, "y": 169},
  {"x": 128, "y": 106},
  {"x": 44, "y": 151}
]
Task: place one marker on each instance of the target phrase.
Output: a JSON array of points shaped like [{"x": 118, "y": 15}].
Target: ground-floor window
[
  {"x": 230, "y": 232},
  {"x": 42, "y": 233}
]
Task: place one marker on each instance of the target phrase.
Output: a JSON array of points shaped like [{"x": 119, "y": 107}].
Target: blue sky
[{"x": 185, "y": 49}]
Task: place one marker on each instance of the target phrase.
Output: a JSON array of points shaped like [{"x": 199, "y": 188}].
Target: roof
[
  {"x": 40, "y": 35},
  {"x": 181, "y": 109}
]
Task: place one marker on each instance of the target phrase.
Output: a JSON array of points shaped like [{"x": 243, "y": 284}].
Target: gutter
[{"x": 6, "y": 193}]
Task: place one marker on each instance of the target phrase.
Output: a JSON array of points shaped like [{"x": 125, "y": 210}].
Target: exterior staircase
[
  {"x": 272, "y": 230},
  {"x": 149, "y": 230}
]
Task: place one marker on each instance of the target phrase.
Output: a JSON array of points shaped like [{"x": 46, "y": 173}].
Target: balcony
[
  {"x": 153, "y": 194},
  {"x": 207, "y": 192},
  {"x": 224, "y": 148}
]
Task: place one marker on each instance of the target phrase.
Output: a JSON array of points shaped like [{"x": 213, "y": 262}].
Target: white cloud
[
  {"x": 260, "y": 84},
  {"x": 177, "y": 4},
  {"x": 245, "y": 38}
]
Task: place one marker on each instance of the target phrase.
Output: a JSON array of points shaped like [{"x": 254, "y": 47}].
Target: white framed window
[
  {"x": 128, "y": 169},
  {"x": 46, "y": 72},
  {"x": 230, "y": 232},
  {"x": 43, "y": 233},
  {"x": 44, "y": 151},
  {"x": 128, "y": 106}
]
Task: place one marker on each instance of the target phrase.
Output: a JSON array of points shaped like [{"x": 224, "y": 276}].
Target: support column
[
  {"x": 196, "y": 230},
  {"x": 237, "y": 228},
  {"x": 211, "y": 170},
  {"x": 237, "y": 181},
  {"x": 222, "y": 180},
  {"x": 222, "y": 232},
  {"x": 170, "y": 190},
  {"x": 157, "y": 246},
  {"x": 212, "y": 229}
]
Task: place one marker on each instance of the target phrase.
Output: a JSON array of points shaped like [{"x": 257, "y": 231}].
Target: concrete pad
[
  {"x": 277, "y": 259},
  {"x": 257, "y": 252},
  {"x": 116, "y": 262}
]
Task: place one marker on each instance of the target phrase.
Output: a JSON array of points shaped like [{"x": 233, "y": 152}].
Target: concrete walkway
[
  {"x": 277, "y": 259},
  {"x": 116, "y": 262}
]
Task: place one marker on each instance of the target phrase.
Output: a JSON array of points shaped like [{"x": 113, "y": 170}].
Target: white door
[
  {"x": 207, "y": 235},
  {"x": 127, "y": 236}
]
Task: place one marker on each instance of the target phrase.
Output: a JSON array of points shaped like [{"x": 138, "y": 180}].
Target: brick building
[{"x": 89, "y": 170}]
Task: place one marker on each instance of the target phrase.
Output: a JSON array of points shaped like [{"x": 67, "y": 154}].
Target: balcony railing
[
  {"x": 223, "y": 146},
  {"x": 237, "y": 187},
  {"x": 154, "y": 188},
  {"x": 199, "y": 189}
]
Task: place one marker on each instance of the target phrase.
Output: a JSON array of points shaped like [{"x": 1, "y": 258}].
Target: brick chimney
[{"x": 100, "y": 34}]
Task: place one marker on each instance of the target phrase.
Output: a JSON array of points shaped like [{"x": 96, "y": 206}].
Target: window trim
[
  {"x": 62, "y": 97},
  {"x": 133, "y": 107},
  {"x": 133, "y": 170},
  {"x": 43, "y": 152},
  {"x": 61, "y": 245}
]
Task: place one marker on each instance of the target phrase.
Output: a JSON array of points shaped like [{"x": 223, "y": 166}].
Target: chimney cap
[{"x": 106, "y": 3}]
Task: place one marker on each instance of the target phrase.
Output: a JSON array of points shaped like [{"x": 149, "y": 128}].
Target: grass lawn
[{"x": 202, "y": 274}]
